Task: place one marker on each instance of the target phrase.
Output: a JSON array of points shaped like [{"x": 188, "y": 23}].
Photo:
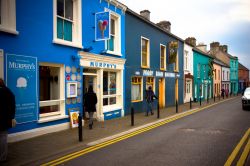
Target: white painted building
[
  {"x": 225, "y": 81},
  {"x": 188, "y": 72}
]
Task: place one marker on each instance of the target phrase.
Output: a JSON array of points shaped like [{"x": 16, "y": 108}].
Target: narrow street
[{"x": 204, "y": 138}]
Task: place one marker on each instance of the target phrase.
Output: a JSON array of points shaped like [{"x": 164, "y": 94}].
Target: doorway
[{"x": 161, "y": 93}]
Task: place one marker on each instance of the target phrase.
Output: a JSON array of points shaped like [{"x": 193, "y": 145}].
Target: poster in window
[
  {"x": 102, "y": 26},
  {"x": 72, "y": 89},
  {"x": 173, "y": 49},
  {"x": 73, "y": 118}
]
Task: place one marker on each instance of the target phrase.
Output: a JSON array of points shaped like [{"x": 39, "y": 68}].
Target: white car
[{"x": 246, "y": 98}]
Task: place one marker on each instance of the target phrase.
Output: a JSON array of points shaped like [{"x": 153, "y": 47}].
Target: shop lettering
[
  {"x": 102, "y": 65},
  {"x": 159, "y": 74},
  {"x": 148, "y": 73},
  {"x": 169, "y": 74},
  {"x": 14, "y": 65}
]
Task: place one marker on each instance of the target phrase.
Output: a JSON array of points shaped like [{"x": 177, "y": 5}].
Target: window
[
  {"x": 198, "y": 71},
  {"x": 67, "y": 22},
  {"x": 186, "y": 63},
  {"x": 215, "y": 74},
  {"x": 150, "y": 82},
  {"x": 114, "y": 43},
  {"x": 8, "y": 16},
  {"x": 223, "y": 77},
  {"x": 109, "y": 88},
  {"x": 136, "y": 89},
  {"x": 1, "y": 64},
  {"x": 162, "y": 57},
  {"x": 145, "y": 53},
  {"x": 227, "y": 75},
  {"x": 218, "y": 74},
  {"x": 51, "y": 78},
  {"x": 188, "y": 86},
  {"x": 176, "y": 64}
]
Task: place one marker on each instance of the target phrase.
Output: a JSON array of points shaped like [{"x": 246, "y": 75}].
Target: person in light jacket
[
  {"x": 7, "y": 117},
  {"x": 90, "y": 101}
]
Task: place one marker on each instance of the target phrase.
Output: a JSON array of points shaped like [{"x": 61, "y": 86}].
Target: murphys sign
[
  {"x": 102, "y": 26},
  {"x": 21, "y": 74}
]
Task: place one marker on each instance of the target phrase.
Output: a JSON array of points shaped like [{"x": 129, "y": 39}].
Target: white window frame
[
  {"x": 8, "y": 16},
  {"x": 186, "y": 61},
  {"x": 165, "y": 51},
  {"x": 1, "y": 64},
  {"x": 61, "y": 101},
  {"x": 76, "y": 28},
  {"x": 117, "y": 37},
  {"x": 141, "y": 86},
  {"x": 148, "y": 55}
]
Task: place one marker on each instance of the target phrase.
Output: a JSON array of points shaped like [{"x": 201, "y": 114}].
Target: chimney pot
[
  {"x": 166, "y": 25},
  {"x": 145, "y": 14},
  {"x": 191, "y": 41}
]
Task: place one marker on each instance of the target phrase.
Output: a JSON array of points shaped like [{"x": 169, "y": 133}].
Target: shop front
[{"x": 105, "y": 74}]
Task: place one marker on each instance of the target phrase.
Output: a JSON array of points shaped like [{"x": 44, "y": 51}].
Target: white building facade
[{"x": 225, "y": 79}]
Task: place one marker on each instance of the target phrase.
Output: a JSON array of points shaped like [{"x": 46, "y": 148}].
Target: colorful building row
[{"x": 51, "y": 51}]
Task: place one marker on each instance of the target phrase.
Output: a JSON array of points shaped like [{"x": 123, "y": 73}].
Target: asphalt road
[{"x": 206, "y": 138}]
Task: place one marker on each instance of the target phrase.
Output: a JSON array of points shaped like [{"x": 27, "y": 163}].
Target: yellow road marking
[
  {"x": 244, "y": 155},
  {"x": 237, "y": 149},
  {"x": 112, "y": 141}
]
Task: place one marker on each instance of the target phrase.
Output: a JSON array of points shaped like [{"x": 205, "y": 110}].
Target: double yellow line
[
  {"x": 112, "y": 141},
  {"x": 245, "y": 152}
]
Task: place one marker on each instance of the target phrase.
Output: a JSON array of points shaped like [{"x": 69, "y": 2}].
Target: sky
[{"x": 224, "y": 21}]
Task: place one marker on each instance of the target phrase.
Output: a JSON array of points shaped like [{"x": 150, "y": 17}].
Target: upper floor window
[
  {"x": 215, "y": 74},
  {"x": 223, "y": 75},
  {"x": 186, "y": 60},
  {"x": 8, "y": 16},
  {"x": 67, "y": 22},
  {"x": 173, "y": 54},
  {"x": 162, "y": 57},
  {"x": 113, "y": 45},
  {"x": 227, "y": 75},
  {"x": 145, "y": 53},
  {"x": 218, "y": 74},
  {"x": 198, "y": 71}
]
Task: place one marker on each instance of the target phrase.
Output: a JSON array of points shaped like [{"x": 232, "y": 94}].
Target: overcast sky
[{"x": 225, "y": 21}]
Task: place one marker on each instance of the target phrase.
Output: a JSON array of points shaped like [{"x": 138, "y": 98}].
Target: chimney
[
  {"x": 191, "y": 41},
  {"x": 214, "y": 47},
  {"x": 223, "y": 48},
  {"x": 202, "y": 47},
  {"x": 166, "y": 25},
  {"x": 145, "y": 14}
]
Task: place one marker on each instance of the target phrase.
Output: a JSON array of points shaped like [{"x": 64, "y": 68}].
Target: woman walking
[{"x": 90, "y": 101}]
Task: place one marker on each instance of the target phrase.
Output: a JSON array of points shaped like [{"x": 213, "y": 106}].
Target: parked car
[{"x": 246, "y": 98}]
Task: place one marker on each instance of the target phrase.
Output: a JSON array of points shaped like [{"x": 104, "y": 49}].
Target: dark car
[{"x": 246, "y": 98}]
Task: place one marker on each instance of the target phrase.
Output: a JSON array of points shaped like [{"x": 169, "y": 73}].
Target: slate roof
[{"x": 242, "y": 67}]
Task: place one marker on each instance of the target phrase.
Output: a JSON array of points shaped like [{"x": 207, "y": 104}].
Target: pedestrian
[
  {"x": 222, "y": 92},
  {"x": 7, "y": 117},
  {"x": 90, "y": 101},
  {"x": 226, "y": 91},
  {"x": 150, "y": 95}
]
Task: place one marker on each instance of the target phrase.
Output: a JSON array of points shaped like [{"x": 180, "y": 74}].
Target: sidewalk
[{"x": 38, "y": 150}]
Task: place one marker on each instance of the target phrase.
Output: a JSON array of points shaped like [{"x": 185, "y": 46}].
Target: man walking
[
  {"x": 150, "y": 95},
  {"x": 7, "y": 117}
]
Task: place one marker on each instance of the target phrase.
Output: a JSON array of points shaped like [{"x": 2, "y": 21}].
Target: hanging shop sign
[
  {"x": 173, "y": 50},
  {"x": 102, "y": 26},
  {"x": 21, "y": 74}
]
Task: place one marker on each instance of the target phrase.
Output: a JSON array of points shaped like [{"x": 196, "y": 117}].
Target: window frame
[
  {"x": 1, "y": 64},
  {"x": 198, "y": 70},
  {"x": 165, "y": 55},
  {"x": 8, "y": 16},
  {"x": 151, "y": 82},
  {"x": 186, "y": 61},
  {"x": 117, "y": 43},
  {"x": 76, "y": 27},
  {"x": 61, "y": 100},
  {"x": 176, "y": 64},
  {"x": 141, "y": 88},
  {"x": 148, "y": 52}
]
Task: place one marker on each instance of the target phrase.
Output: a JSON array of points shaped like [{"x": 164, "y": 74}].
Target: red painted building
[{"x": 243, "y": 77}]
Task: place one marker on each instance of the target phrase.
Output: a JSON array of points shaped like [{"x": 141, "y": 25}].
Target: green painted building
[{"x": 234, "y": 74}]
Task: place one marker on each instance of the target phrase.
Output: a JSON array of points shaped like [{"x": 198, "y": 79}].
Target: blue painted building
[
  {"x": 148, "y": 62},
  {"x": 49, "y": 55}
]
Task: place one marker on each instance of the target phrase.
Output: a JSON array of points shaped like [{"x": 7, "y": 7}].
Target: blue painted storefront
[
  {"x": 34, "y": 24},
  {"x": 136, "y": 28}
]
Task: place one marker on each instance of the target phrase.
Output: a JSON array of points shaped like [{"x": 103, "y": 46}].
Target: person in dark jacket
[
  {"x": 150, "y": 95},
  {"x": 90, "y": 101},
  {"x": 7, "y": 117}
]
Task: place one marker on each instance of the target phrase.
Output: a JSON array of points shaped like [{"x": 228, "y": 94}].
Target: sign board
[
  {"x": 173, "y": 50},
  {"x": 74, "y": 118},
  {"x": 21, "y": 78},
  {"x": 102, "y": 26}
]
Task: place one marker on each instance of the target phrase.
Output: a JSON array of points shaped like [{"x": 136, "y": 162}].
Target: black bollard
[
  {"x": 158, "y": 110},
  {"x": 176, "y": 106},
  {"x": 80, "y": 127},
  {"x": 200, "y": 100},
  {"x": 190, "y": 103},
  {"x": 214, "y": 98},
  {"x": 132, "y": 116}
]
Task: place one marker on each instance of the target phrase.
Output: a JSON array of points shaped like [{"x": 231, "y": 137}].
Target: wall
[{"x": 217, "y": 79}]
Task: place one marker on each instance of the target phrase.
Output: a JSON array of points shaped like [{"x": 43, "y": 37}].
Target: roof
[
  {"x": 202, "y": 52},
  {"x": 153, "y": 24},
  {"x": 242, "y": 67},
  {"x": 219, "y": 62}
]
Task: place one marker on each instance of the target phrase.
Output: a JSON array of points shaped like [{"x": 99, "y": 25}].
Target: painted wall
[
  {"x": 135, "y": 29},
  {"x": 203, "y": 80},
  {"x": 234, "y": 75},
  {"x": 34, "y": 22},
  {"x": 217, "y": 80},
  {"x": 189, "y": 49}
]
